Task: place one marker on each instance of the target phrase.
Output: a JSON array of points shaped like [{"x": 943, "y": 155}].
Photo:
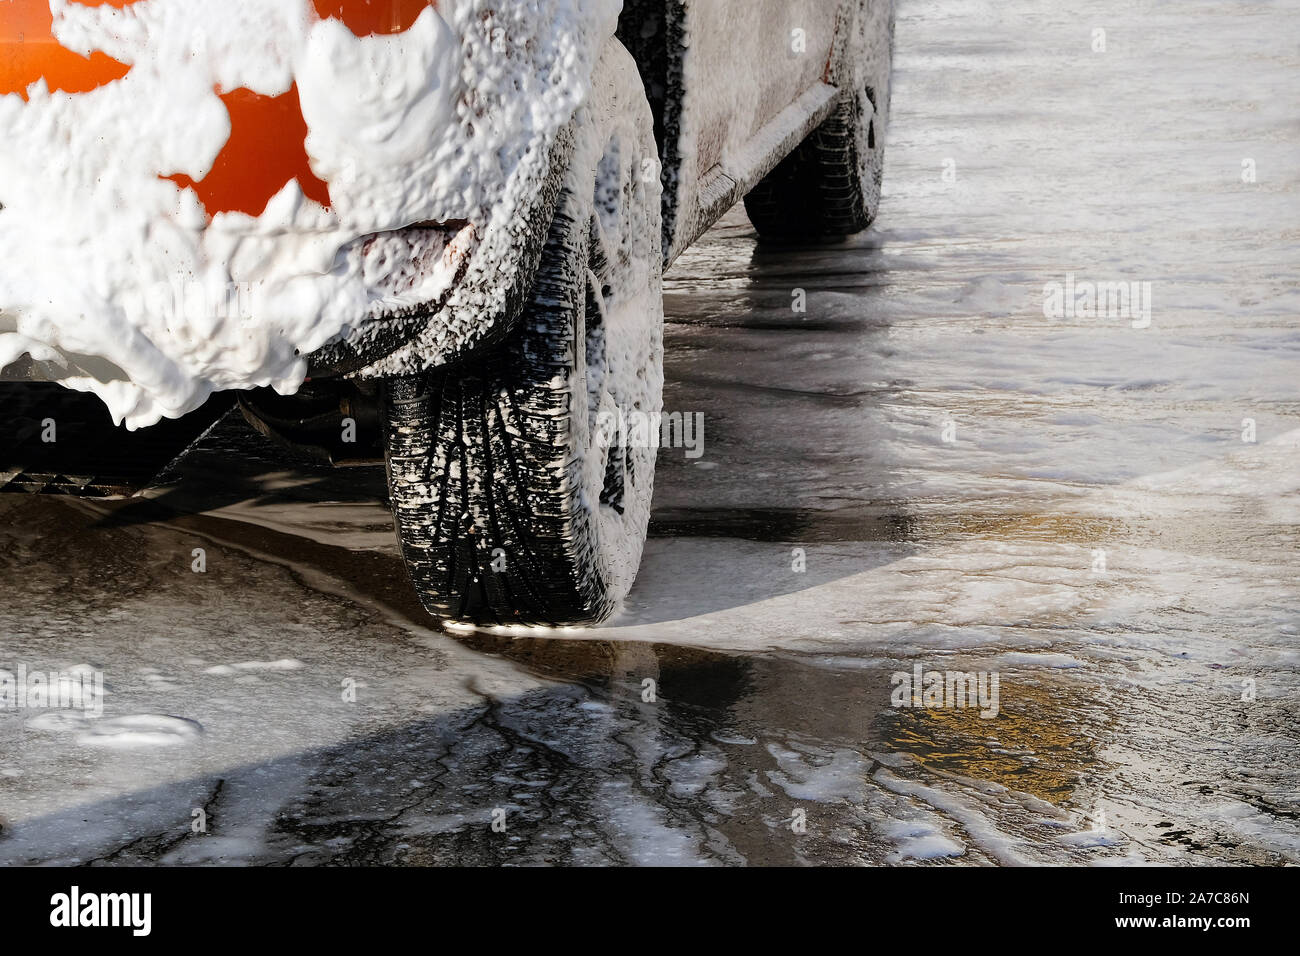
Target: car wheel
[
  {"x": 829, "y": 187},
  {"x": 517, "y": 498}
]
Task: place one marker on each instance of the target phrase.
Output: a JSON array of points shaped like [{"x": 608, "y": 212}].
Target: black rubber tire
[
  {"x": 829, "y": 187},
  {"x": 510, "y": 504}
]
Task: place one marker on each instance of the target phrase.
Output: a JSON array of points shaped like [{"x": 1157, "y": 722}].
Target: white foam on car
[{"x": 103, "y": 257}]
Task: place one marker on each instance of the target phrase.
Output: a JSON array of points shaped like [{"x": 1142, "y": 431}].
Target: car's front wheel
[{"x": 518, "y": 497}]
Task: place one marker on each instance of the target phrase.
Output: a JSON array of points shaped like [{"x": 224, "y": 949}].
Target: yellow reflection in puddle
[{"x": 1042, "y": 742}]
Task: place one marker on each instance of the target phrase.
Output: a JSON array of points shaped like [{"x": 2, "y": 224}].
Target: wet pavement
[{"x": 921, "y": 469}]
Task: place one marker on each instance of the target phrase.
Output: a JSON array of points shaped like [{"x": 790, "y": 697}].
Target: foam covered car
[{"x": 450, "y": 218}]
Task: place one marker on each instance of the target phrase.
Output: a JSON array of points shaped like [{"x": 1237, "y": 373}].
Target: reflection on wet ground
[{"x": 1091, "y": 529}]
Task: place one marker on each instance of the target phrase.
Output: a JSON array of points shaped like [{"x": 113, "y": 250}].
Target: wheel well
[{"x": 654, "y": 32}]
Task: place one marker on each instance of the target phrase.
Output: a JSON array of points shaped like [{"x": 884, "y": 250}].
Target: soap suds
[{"x": 120, "y": 281}]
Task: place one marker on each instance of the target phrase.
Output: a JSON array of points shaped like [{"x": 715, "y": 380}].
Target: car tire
[
  {"x": 517, "y": 499},
  {"x": 829, "y": 187}
]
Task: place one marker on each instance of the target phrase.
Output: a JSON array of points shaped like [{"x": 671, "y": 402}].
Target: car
[{"x": 493, "y": 305}]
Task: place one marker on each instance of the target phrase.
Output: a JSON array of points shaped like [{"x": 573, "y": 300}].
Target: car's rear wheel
[
  {"x": 517, "y": 498},
  {"x": 829, "y": 187}
]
